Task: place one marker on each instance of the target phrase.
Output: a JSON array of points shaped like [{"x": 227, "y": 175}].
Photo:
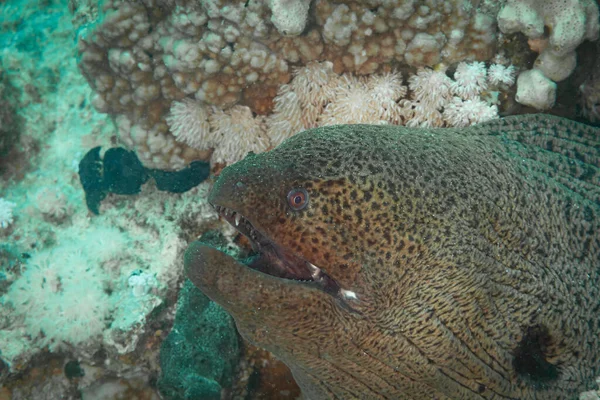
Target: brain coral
[{"x": 142, "y": 55}]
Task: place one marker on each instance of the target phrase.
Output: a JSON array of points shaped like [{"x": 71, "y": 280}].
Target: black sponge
[{"x": 121, "y": 172}]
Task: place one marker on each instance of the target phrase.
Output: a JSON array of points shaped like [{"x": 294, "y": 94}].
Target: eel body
[{"x": 396, "y": 263}]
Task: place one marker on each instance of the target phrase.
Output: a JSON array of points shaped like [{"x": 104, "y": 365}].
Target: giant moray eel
[{"x": 396, "y": 263}]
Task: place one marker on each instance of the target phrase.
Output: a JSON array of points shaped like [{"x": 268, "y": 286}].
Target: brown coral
[{"x": 146, "y": 54}]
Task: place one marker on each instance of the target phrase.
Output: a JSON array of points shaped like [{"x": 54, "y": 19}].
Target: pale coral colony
[{"x": 193, "y": 76}]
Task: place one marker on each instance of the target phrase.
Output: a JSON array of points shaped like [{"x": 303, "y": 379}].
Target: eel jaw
[{"x": 273, "y": 260}]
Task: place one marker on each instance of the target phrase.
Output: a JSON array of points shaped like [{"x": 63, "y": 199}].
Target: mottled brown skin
[{"x": 464, "y": 247}]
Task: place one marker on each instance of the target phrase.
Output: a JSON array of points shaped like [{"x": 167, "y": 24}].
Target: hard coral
[
  {"x": 144, "y": 55},
  {"x": 361, "y": 38},
  {"x": 569, "y": 23},
  {"x": 289, "y": 16}
]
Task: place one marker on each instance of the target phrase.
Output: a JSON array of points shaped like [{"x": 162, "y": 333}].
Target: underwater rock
[
  {"x": 73, "y": 370},
  {"x": 590, "y": 92},
  {"x": 10, "y": 122},
  {"x": 200, "y": 354}
]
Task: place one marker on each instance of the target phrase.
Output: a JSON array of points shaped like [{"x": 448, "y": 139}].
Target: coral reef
[
  {"x": 568, "y": 24},
  {"x": 10, "y": 123},
  {"x": 61, "y": 297},
  {"x": 93, "y": 289},
  {"x": 146, "y": 59},
  {"x": 317, "y": 96},
  {"x": 6, "y": 213},
  {"x": 60, "y": 378},
  {"x": 590, "y": 91}
]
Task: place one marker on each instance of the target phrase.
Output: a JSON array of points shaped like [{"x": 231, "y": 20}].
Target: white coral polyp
[
  {"x": 237, "y": 132},
  {"x": 419, "y": 115},
  {"x": 461, "y": 113},
  {"x": 6, "y": 213},
  {"x": 286, "y": 119},
  {"x": 352, "y": 104},
  {"x": 61, "y": 295},
  {"x": 317, "y": 96},
  {"x": 51, "y": 202},
  {"x": 314, "y": 83},
  {"x": 430, "y": 87},
  {"x": 386, "y": 90},
  {"x": 470, "y": 80},
  {"x": 386, "y": 87},
  {"x": 188, "y": 122},
  {"x": 499, "y": 74}
]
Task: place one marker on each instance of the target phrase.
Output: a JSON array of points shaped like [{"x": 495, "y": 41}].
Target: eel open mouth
[{"x": 271, "y": 259}]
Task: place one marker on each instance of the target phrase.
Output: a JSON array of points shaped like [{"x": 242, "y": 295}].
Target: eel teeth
[
  {"x": 349, "y": 294},
  {"x": 237, "y": 219},
  {"x": 314, "y": 270}
]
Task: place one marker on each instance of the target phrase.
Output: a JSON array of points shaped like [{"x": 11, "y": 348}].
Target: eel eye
[{"x": 297, "y": 199}]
